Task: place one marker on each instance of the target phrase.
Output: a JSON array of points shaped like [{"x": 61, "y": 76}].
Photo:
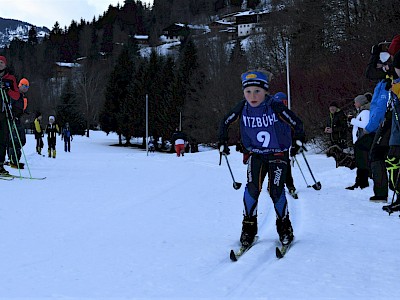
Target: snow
[{"x": 112, "y": 222}]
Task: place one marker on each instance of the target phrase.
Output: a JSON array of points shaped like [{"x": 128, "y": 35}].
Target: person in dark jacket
[
  {"x": 393, "y": 157},
  {"x": 261, "y": 117},
  {"x": 336, "y": 126},
  {"x": 9, "y": 91},
  {"x": 381, "y": 70},
  {"x": 179, "y": 140}
]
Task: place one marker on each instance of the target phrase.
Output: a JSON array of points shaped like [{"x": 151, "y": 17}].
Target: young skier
[
  {"x": 67, "y": 137},
  {"x": 261, "y": 118},
  {"x": 38, "y": 133},
  {"x": 52, "y": 130}
]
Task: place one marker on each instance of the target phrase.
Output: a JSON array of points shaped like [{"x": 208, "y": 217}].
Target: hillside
[{"x": 11, "y": 29}]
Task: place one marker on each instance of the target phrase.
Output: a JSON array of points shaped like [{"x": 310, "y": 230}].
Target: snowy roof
[
  {"x": 253, "y": 12},
  {"x": 68, "y": 65},
  {"x": 141, "y": 37}
]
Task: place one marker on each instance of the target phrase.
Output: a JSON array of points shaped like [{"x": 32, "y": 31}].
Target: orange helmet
[{"x": 23, "y": 81}]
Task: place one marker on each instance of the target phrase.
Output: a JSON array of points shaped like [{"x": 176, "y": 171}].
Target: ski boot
[
  {"x": 249, "y": 230},
  {"x": 285, "y": 230},
  {"x": 3, "y": 172},
  {"x": 395, "y": 206},
  {"x": 54, "y": 153},
  {"x": 18, "y": 165}
]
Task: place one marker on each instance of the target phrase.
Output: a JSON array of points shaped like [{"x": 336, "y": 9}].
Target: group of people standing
[
  {"x": 13, "y": 106},
  {"x": 52, "y": 129},
  {"x": 376, "y": 127}
]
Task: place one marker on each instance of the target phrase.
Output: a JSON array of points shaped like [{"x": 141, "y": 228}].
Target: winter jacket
[
  {"x": 52, "y": 130},
  {"x": 261, "y": 127},
  {"x": 378, "y": 106},
  {"x": 178, "y": 138},
  {"x": 38, "y": 129},
  {"x": 338, "y": 122},
  {"x": 359, "y": 122},
  {"x": 395, "y": 129}
]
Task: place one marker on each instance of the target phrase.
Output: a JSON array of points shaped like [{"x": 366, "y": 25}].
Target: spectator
[
  {"x": 360, "y": 152},
  {"x": 336, "y": 126},
  {"x": 179, "y": 139}
]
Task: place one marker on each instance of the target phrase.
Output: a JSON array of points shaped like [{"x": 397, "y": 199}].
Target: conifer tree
[{"x": 68, "y": 110}]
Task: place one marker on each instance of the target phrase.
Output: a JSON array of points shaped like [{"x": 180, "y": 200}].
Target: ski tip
[
  {"x": 232, "y": 256},
  {"x": 278, "y": 253}
]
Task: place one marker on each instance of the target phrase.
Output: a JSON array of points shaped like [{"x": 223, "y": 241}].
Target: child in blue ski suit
[
  {"x": 261, "y": 121},
  {"x": 67, "y": 137}
]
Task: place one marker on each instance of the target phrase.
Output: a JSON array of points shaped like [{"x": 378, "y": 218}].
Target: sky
[
  {"x": 47, "y": 12},
  {"x": 115, "y": 223}
]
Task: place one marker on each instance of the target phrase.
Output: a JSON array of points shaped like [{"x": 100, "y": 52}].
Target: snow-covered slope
[{"x": 113, "y": 222}]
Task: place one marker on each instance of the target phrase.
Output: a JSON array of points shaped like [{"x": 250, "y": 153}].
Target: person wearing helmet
[
  {"x": 52, "y": 129},
  {"x": 17, "y": 135}
]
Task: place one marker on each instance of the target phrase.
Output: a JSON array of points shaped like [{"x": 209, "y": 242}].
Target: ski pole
[
  {"x": 317, "y": 185},
  {"x": 14, "y": 126},
  {"x": 236, "y": 185},
  {"x": 294, "y": 158}
]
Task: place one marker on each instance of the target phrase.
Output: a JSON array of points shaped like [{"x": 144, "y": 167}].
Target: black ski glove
[{"x": 223, "y": 148}]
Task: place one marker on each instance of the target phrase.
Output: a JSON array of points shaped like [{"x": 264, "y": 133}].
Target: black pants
[
  {"x": 17, "y": 140},
  {"x": 67, "y": 144},
  {"x": 3, "y": 137},
  {"x": 275, "y": 165}
]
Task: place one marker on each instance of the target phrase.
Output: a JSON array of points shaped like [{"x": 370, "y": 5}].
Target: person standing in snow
[
  {"x": 393, "y": 157},
  {"x": 52, "y": 129},
  {"x": 261, "y": 117},
  {"x": 9, "y": 87},
  {"x": 178, "y": 139},
  {"x": 360, "y": 152},
  {"x": 380, "y": 69},
  {"x": 18, "y": 135},
  {"x": 38, "y": 133},
  {"x": 67, "y": 137},
  {"x": 336, "y": 126}
]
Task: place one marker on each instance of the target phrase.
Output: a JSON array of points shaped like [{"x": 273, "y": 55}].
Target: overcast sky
[{"x": 47, "y": 12}]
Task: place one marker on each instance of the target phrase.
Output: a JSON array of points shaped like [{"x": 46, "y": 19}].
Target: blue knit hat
[{"x": 255, "y": 78}]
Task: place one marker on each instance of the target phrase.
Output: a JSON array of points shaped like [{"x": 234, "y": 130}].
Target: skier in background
[
  {"x": 286, "y": 130},
  {"x": 52, "y": 129},
  {"x": 38, "y": 133},
  {"x": 67, "y": 137},
  {"x": 18, "y": 135},
  {"x": 8, "y": 84}
]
